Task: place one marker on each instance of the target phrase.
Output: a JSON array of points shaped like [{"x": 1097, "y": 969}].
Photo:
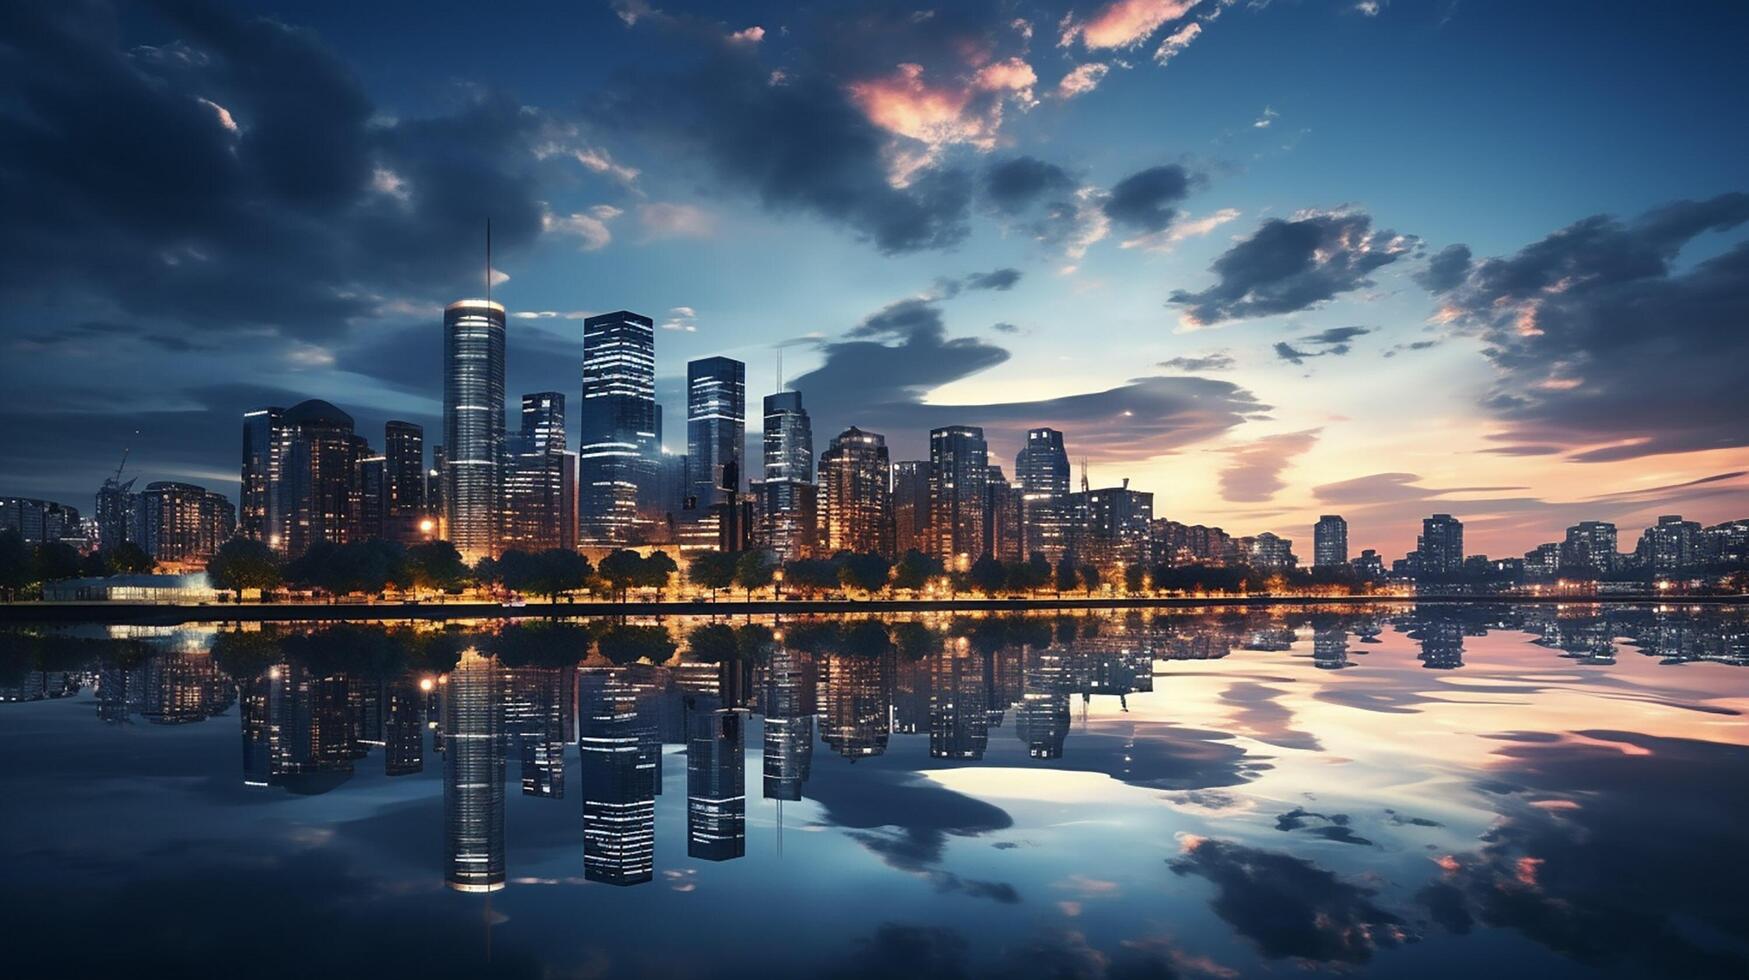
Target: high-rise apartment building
[
  {"x": 910, "y": 506},
  {"x": 1440, "y": 549},
  {"x": 184, "y": 523},
  {"x": 855, "y": 501},
  {"x": 716, "y": 426},
  {"x": 619, "y": 438},
  {"x": 1041, "y": 471},
  {"x": 403, "y": 500},
  {"x": 540, "y": 481},
  {"x": 319, "y": 495},
  {"x": 1590, "y": 546},
  {"x": 1330, "y": 542},
  {"x": 958, "y": 464},
  {"x": 266, "y": 441},
  {"x": 1003, "y": 508}
]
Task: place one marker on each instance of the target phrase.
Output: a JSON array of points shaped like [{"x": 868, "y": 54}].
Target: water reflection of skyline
[{"x": 1125, "y": 697}]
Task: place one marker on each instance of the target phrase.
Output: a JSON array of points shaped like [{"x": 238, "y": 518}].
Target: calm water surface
[{"x": 1447, "y": 791}]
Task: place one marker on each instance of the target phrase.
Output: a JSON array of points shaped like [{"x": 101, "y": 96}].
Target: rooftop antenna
[
  {"x": 1083, "y": 474},
  {"x": 488, "y": 260},
  {"x": 780, "y": 369}
]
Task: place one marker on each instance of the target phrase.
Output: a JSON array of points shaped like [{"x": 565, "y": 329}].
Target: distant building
[
  {"x": 1330, "y": 542},
  {"x": 958, "y": 466},
  {"x": 184, "y": 523},
  {"x": 1590, "y": 546},
  {"x": 1004, "y": 536},
  {"x": 319, "y": 494},
  {"x": 473, "y": 424},
  {"x": 1368, "y": 566},
  {"x": 540, "y": 481},
  {"x": 404, "y": 507},
  {"x": 618, "y": 440},
  {"x": 1542, "y": 562},
  {"x": 1670, "y": 544},
  {"x": 716, "y": 425},
  {"x": 1440, "y": 549},
  {"x": 1041, "y": 471},
  {"x": 1726, "y": 543},
  {"x": 1269, "y": 551},
  {"x": 856, "y": 507},
  {"x": 266, "y": 443},
  {"x": 910, "y": 506},
  {"x": 1174, "y": 543},
  {"x": 40, "y": 521},
  {"x": 1112, "y": 524}
]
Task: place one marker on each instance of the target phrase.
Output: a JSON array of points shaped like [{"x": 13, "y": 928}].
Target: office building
[
  {"x": 619, "y": 776},
  {"x": 716, "y": 790},
  {"x": 1270, "y": 552},
  {"x": 266, "y": 443},
  {"x": 1590, "y": 547},
  {"x": 958, "y": 464},
  {"x": 39, "y": 521},
  {"x": 618, "y": 439},
  {"x": 319, "y": 495},
  {"x": 910, "y": 506},
  {"x": 1330, "y": 542},
  {"x": 787, "y": 497},
  {"x": 1041, "y": 471},
  {"x": 1111, "y": 525},
  {"x": 1671, "y": 544},
  {"x": 540, "y": 480},
  {"x": 856, "y": 506},
  {"x": 716, "y": 427},
  {"x": 1004, "y": 536},
  {"x": 473, "y": 424},
  {"x": 403, "y": 497}
]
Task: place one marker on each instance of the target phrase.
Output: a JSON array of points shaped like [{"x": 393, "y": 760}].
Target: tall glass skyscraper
[
  {"x": 617, "y": 440},
  {"x": 856, "y": 500},
  {"x": 716, "y": 424},
  {"x": 1330, "y": 542},
  {"x": 620, "y": 780},
  {"x": 1041, "y": 471},
  {"x": 540, "y": 484},
  {"x": 403, "y": 480},
  {"x": 265, "y": 439},
  {"x": 787, "y": 499},
  {"x": 958, "y": 459},
  {"x": 473, "y": 423}
]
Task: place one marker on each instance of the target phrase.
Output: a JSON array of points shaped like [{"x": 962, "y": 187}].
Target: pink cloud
[
  {"x": 940, "y": 113},
  {"x": 1124, "y": 23},
  {"x": 1176, "y": 42},
  {"x": 1084, "y": 79}
]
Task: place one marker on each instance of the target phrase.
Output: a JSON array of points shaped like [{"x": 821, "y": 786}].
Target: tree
[
  {"x": 1066, "y": 577},
  {"x": 712, "y": 643},
  {"x": 866, "y": 571},
  {"x": 1090, "y": 578},
  {"x": 988, "y": 576},
  {"x": 620, "y": 570},
  {"x": 810, "y": 575},
  {"x": 550, "y": 573},
  {"x": 916, "y": 641},
  {"x": 1135, "y": 577},
  {"x": 915, "y": 570},
  {"x": 16, "y": 571},
  {"x": 437, "y": 565},
  {"x": 628, "y": 644},
  {"x": 753, "y": 570},
  {"x": 866, "y": 638},
  {"x": 56, "y": 560},
  {"x": 128, "y": 558},
  {"x": 243, "y": 564},
  {"x": 711, "y": 570},
  {"x": 487, "y": 572},
  {"x": 655, "y": 571},
  {"x": 753, "y": 642}
]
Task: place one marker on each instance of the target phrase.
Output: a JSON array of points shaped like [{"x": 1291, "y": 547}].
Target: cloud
[
  {"x": 240, "y": 178},
  {"x": 1290, "y": 907},
  {"x": 1254, "y": 474},
  {"x": 1446, "y": 270},
  {"x": 590, "y": 227},
  {"x": 1269, "y": 116},
  {"x": 1001, "y": 280},
  {"x": 1082, "y": 79},
  {"x": 1335, "y": 342},
  {"x": 1294, "y": 264},
  {"x": 1603, "y": 347},
  {"x": 670, "y": 220},
  {"x": 1142, "y": 200},
  {"x": 1122, "y": 23},
  {"x": 1214, "y": 361},
  {"x": 1007, "y": 328},
  {"x": 1016, "y": 184},
  {"x": 1181, "y": 229},
  {"x": 1176, "y": 42},
  {"x": 681, "y": 318},
  {"x": 879, "y": 374}
]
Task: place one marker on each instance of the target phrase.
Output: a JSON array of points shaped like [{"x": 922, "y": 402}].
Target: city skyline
[{"x": 1435, "y": 351}]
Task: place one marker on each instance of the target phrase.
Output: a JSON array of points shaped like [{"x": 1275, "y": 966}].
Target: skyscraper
[
  {"x": 958, "y": 462},
  {"x": 473, "y": 775},
  {"x": 403, "y": 480},
  {"x": 473, "y": 423},
  {"x": 787, "y": 499},
  {"x": 1441, "y": 545},
  {"x": 1590, "y": 545},
  {"x": 182, "y": 522},
  {"x": 1111, "y": 524},
  {"x": 1330, "y": 542},
  {"x": 716, "y": 779},
  {"x": 1003, "y": 502},
  {"x": 540, "y": 503},
  {"x": 789, "y": 725},
  {"x": 618, "y": 435},
  {"x": 318, "y": 486},
  {"x": 910, "y": 506},
  {"x": 716, "y": 424},
  {"x": 1041, "y": 470},
  {"x": 856, "y": 503},
  {"x": 266, "y": 439}
]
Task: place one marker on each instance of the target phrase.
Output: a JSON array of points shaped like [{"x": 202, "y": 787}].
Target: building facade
[
  {"x": 787, "y": 498},
  {"x": 716, "y": 426},
  {"x": 618, "y": 440},
  {"x": 540, "y": 480},
  {"x": 473, "y": 424},
  {"x": 1440, "y": 549},
  {"x": 856, "y": 506},
  {"x": 184, "y": 523},
  {"x": 1330, "y": 542},
  {"x": 958, "y": 468},
  {"x": 1041, "y": 471},
  {"x": 910, "y": 506}
]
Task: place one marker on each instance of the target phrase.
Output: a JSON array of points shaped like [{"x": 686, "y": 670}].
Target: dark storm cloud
[
  {"x": 1290, "y": 907},
  {"x": 796, "y": 140},
  {"x": 1014, "y": 185},
  {"x": 1604, "y": 347},
  {"x": 1332, "y": 827},
  {"x": 1001, "y": 280},
  {"x": 1555, "y": 875},
  {"x": 231, "y": 172},
  {"x": 1142, "y": 201},
  {"x": 1446, "y": 270},
  {"x": 878, "y": 375},
  {"x": 1291, "y": 265},
  {"x": 1217, "y": 361}
]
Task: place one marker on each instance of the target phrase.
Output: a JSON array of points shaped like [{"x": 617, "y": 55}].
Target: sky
[{"x": 1268, "y": 260}]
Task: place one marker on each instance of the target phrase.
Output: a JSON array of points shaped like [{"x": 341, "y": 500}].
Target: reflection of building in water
[
  {"x": 183, "y": 687},
  {"x": 473, "y": 775},
  {"x": 120, "y": 692},
  {"x": 856, "y": 709},
  {"x": 1203, "y": 644},
  {"x": 618, "y": 773},
  {"x": 35, "y": 685},
  {"x": 716, "y": 780},
  {"x": 1041, "y": 720},
  {"x": 1330, "y": 648},
  {"x": 910, "y": 695},
  {"x": 789, "y": 726},
  {"x": 958, "y": 719},
  {"x": 403, "y": 727},
  {"x": 299, "y": 729},
  {"x": 1272, "y": 640},
  {"x": 1442, "y": 643},
  {"x": 534, "y": 722}
]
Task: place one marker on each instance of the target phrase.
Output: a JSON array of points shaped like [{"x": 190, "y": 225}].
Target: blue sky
[{"x": 1222, "y": 240}]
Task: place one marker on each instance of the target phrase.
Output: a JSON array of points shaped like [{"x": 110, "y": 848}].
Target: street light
[{"x": 777, "y": 579}]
